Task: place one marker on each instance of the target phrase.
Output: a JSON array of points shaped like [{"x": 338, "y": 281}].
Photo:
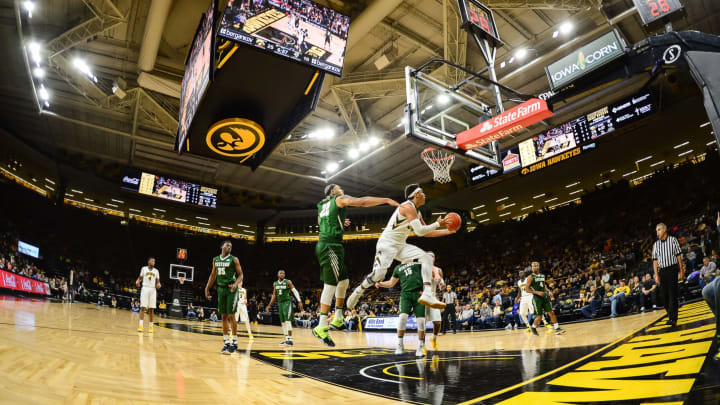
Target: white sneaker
[
  {"x": 419, "y": 352},
  {"x": 399, "y": 350},
  {"x": 429, "y": 301},
  {"x": 509, "y": 327},
  {"x": 515, "y": 326},
  {"x": 642, "y": 309},
  {"x": 354, "y": 297}
]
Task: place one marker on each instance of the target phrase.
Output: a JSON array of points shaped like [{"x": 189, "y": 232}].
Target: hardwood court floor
[{"x": 80, "y": 353}]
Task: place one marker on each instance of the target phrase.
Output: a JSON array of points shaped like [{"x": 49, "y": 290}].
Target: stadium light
[
  {"x": 502, "y": 215},
  {"x": 83, "y": 67},
  {"x": 573, "y": 184},
  {"x": 117, "y": 201},
  {"x": 353, "y": 153},
  {"x": 502, "y": 65},
  {"x": 575, "y": 192},
  {"x": 566, "y": 27},
  {"x": 134, "y": 210},
  {"x": 710, "y": 143},
  {"x": 479, "y": 206},
  {"x": 556, "y": 34},
  {"x": 630, "y": 173},
  {"x": 657, "y": 163},
  {"x": 484, "y": 220},
  {"x": 49, "y": 181},
  {"x": 685, "y": 153},
  {"x": 39, "y": 72},
  {"x": 539, "y": 195},
  {"x": 203, "y": 218},
  {"x": 681, "y": 145},
  {"x": 35, "y": 50},
  {"x": 481, "y": 214},
  {"x": 43, "y": 93},
  {"x": 374, "y": 141},
  {"x": 322, "y": 133},
  {"x": 204, "y": 223},
  {"x": 512, "y": 59},
  {"x": 521, "y": 53},
  {"x": 705, "y": 124},
  {"x": 644, "y": 159},
  {"x": 181, "y": 219},
  {"x": 331, "y": 167},
  {"x": 550, "y": 200},
  {"x": 159, "y": 210},
  {"x": 502, "y": 199},
  {"x": 525, "y": 208},
  {"x": 509, "y": 205},
  {"x": 111, "y": 205},
  {"x": 29, "y": 7},
  {"x": 443, "y": 99},
  {"x": 364, "y": 146}
]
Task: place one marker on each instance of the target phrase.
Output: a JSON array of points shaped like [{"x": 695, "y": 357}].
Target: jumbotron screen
[
  {"x": 171, "y": 189},
  {"x": 296, "y": 29},
  {"x": 197, "y": 73}
]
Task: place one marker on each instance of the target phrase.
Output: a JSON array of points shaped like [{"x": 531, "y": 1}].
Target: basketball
[{"x": 455, "y": 221}]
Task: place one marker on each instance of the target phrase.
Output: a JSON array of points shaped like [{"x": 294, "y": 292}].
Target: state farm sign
[{"x": 509, "y": 122}]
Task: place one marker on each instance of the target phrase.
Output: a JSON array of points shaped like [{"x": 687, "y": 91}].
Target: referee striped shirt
[{"x": 666, "y": 251}]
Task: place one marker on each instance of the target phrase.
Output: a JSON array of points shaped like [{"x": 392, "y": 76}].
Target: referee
[
  {"x": 667, "y": 261},
  {"x": 449, "y": 316}
]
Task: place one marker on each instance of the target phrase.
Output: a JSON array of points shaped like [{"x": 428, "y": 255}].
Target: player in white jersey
[
  {"x": 526, "y": 300},
  {"x": 241, "y": 314},
  {"x": 150, "y": 279},
  {"x": 435, "y": 316},
  {"x": 392, "y": 245}
]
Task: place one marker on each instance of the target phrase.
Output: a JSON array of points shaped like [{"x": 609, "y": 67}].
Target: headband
[
  {"x": 411, "y": 195},
  {"x": 329, "y": 188}
]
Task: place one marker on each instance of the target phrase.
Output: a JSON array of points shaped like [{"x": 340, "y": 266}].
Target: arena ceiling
[{"x": 127, "y": 42}]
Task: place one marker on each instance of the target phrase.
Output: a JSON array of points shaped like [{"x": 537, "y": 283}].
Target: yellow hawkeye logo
[{"x": 236, "y": 137}]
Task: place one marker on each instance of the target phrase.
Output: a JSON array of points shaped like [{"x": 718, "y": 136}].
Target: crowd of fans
[{"x": 595, "y": 254}]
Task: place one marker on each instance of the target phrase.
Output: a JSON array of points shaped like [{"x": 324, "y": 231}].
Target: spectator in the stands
[
  {"x": 594, "y": 299},
  {"x": 495, "y": 318},
  {"x": 691, "y": 257},
  {"x": 707, "y": 271},
  {"x": 618, "y": 298},
  {"x": 113, "y": 302},
  {"x": 649, "y": 293},
  {"x": 135, "y": 307},
  {"x": 605, "y": 277},
  {"x": 351, "y": 320},
  {"x": 200, "y": 314},
  {"x": 484, "y": 315},
  {"x": 497, "y": 299},
  {"x": 101, "y": 298},
  {"x": 191, "y": 311},
  {"x": 635, "y": 291},
  {"x": 466, "y": 317},
  {"x": 213, "y": 316},
  {"x": 162, "y": 308}
]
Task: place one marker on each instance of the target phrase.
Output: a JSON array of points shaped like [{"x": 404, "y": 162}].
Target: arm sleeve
[
  {"x": 421, "y": 229},
  {"x": 296, "y": 294}
]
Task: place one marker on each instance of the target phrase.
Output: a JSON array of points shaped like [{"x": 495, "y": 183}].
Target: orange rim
[{"x": 424, "y": 153}]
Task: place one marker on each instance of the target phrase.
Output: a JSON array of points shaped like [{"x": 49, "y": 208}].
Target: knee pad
[
  {"x": 341, "y": 288},
  {"x": 420, "y": 324},
  {"x": 402, "y": 323},
  {"x": 327, "y": 294}
]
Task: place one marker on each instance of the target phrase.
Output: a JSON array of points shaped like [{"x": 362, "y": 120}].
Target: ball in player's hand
[{"x": 454, "y": 221}]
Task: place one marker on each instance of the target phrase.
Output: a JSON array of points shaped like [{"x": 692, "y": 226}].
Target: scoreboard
[
  {"x": 170, "y": 189},
  {"x": 475, "y": 16},
  {"x": 653, "y": 10}
]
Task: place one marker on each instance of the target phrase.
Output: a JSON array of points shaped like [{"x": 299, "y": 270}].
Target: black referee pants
[
  {"x": 669, "y": 291},
  {"x": 449, "y": 318}
]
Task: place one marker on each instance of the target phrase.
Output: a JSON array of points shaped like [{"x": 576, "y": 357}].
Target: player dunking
[
  {"x": 281, "y": 292},
  {"x": 241, "y": 313},
  {"x": 541, "y": 299},
  {"x": 392, "y": 245},
  {"x": 226, "y": 269},
  {"x": 150, "y": 278},
  {"x": 330, "y": 254}
]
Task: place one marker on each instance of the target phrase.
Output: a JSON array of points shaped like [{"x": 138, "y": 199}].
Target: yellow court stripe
[
  {"x": 385, "y": 370},
  {"x": 502, "y": 391}
]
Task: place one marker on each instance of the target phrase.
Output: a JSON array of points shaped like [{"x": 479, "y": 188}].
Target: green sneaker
[
  {"x": 322, "y": 334},
  {"x": 337, "y": 324}
]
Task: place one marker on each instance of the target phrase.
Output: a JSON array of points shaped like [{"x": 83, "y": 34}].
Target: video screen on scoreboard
[
  {"x": 547, "y": 144},
  {"x": 28, "y": 249},
  {"x": 197, "y": 73},
  {"x": 296, "y": 29},
  {"x": 170, "y": 189}
]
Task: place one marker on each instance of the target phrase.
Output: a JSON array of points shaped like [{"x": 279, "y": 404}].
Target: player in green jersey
[
  {"x": 281, "y": 292},
  {"x": 228, "y": 273},
  {"x": 541, "y": 299},
  {"x": 332, "y": 211},
  {"x": 411, "y": 287}
]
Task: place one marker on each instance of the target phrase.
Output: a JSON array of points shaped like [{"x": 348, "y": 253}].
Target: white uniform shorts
[
  {"x": 385, "y": 253},
  {"x": 241, "y": 315},
  {"x": 434, "y": 315},
  {"x": 148, "y": 297},
  {"x": 526, "y": 306}
]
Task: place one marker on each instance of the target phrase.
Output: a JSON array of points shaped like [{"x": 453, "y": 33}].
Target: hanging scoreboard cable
[
  {"x": 653, "y": 10},
  {"x": 475, "y": 16}
]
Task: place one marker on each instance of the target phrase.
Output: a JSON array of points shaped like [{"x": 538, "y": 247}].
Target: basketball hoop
[
  {"x": 181, "y": 279},
  {"x": 439, "y": 162}
]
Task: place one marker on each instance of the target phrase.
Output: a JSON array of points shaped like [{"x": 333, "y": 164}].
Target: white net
[
  {"x": 440, "y": 163},
  {"x": 181, "y": 279}
]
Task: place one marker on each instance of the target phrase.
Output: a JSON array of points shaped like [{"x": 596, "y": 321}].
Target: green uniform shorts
[
  {"x": 227, "y": 300},
  {"x": 285, "y": 310},
  {"x": 331, "y": 257},
  {"x": 542, "y": 304},
  {"x": 409, "y": 302}
]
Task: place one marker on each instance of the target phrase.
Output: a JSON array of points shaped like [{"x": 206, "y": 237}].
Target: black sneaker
[
  {"x": 288, "y": 343},
  {"x": 535, "y": 332},
  {"x": 225, "y": 349},
  {"x": 233, "y": 348}
]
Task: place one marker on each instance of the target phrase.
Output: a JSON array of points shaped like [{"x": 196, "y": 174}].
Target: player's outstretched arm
[
  {"x": 347, "y": 201},
  {"x": 272, "y": 301},
  {"x": 296, "y": 294},
  {"x": 388, "y": 283},
  {"x": 210, "y": 282},
  {"x": 239, "y": 273},
  {"x": 439, "y": 233}
]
